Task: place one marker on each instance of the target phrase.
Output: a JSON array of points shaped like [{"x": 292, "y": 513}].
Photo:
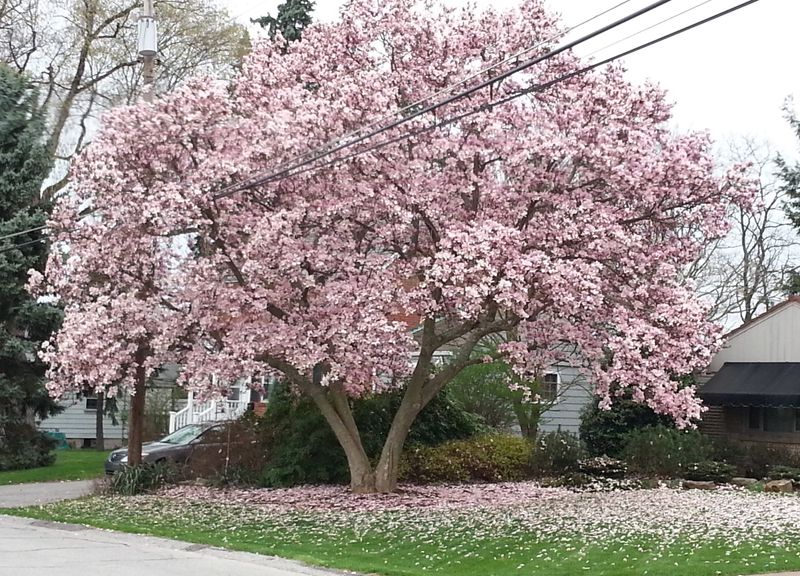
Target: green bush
[
  {"x": 663, "y": 451},
  {"x": 482, "y": 390},
  {"x": 709, "y": 471},
  {"x": 301, "y": 448},
  {"x": 784, "y": 473},
  {"x": 571, "y": 480},
  {"x": 556, "y": 453},
  {"x": 604, "y": 432},
  {"x": 603, "y": 467},
  {"x": 132, "y": 480},
  {"x": 754, "y": 461},
  {"x": 22, "y": 446},
  {"x": 492, "y": 458}
]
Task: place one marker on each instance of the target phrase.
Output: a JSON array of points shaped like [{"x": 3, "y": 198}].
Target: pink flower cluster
[{"x": 569, "y": 212}]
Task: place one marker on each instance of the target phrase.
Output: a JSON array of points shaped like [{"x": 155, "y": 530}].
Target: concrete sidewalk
[
  {"x": 15, "y": 495},
  {"x": 32, "y": 548}
]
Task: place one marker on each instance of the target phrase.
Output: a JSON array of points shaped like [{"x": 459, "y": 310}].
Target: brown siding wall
[
  {"x": 737, "y": 430},
  {"x": 713, "y": 422}
]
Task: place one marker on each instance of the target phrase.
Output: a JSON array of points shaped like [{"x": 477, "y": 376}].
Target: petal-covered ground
[{"x": 498, "y": 529}]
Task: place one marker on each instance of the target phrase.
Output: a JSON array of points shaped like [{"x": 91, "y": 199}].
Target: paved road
[
  {"x": 16, "y": 495},
  {"x": 32, "y": 548}
]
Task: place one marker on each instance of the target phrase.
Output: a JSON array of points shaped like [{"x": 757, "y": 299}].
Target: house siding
[
  {"x": 575, "y": 393},
  {"x": 78, "y": 424},
  {"x": 770, "y": 338},
  {"x": 713, "y": 422},
  {"x": 736, "y": 429}
]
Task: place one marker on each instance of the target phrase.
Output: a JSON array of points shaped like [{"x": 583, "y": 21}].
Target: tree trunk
[
  {"x": 337, "y": 413},
  {"x": 136, "y": 419},
  {"x": 388, "y": 468},
  {"x": 100, "y": 443}
]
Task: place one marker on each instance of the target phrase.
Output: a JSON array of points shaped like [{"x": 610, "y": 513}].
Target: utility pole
[{"x": 148, "y": 48}]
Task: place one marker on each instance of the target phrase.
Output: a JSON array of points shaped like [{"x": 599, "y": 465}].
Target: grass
[
  {"x": 69, "y": 465},
  {"x": 457, "y": 543}
]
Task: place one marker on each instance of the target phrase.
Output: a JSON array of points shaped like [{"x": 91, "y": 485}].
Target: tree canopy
[
  {"x": 565, "y": 215},
  {"x": 292, "y": 18},
  {"x": 789, "y": 174},
  {"x": 24, "y": 323}
]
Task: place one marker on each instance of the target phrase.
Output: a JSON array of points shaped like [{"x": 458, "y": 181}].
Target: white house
[{"x": 78, "y": 420}]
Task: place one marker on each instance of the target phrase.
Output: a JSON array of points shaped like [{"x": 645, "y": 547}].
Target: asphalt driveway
[{"x": 15, "y": 495}]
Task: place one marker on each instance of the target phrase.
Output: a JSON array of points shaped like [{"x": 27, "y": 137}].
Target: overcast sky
[{"x": 730, "y": 76}]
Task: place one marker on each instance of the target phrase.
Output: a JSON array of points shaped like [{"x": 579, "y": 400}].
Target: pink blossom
[{"x": 567, "y": 214}]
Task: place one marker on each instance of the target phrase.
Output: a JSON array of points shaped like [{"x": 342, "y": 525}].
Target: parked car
[{"x": 181, "y": 446}]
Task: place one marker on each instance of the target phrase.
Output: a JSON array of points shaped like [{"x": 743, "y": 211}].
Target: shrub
[
  {"x": 482, "y": 390},
  {"x": 132, "y": 480},
  {"x": 709, "y": 471},
  {"x": 784, "y": 473},
  {"x": 604, "y": 432},
  {"x": 301, "y": 448},
  {"x": 492, "y": 458},
  {"x": 556, "y": 453},
  {"x": 603, "y": 467},
  {"x": 23, "y": 446},
  {"x": 233, "y": 455},
  {"x": 756, "y": 460},
  {"x": 572, "y": 480},
  {"x": 665, "y": 451}
]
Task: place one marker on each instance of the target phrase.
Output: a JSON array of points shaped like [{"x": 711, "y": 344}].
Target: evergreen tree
[
  {"x": 24, "y": 323},
  {"x": 292, "y": 18},
  {"x": 789, "y": 174}
]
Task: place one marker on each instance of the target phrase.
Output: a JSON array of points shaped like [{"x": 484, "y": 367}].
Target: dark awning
[{"x": 754, "y": 384}]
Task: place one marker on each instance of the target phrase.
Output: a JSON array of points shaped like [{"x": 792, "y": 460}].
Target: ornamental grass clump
[
  {"x": 143, "y": 478},
  {"x": 556, "y": 453}
]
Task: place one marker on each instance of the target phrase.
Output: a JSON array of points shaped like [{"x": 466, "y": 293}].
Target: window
[
  {"x": 91, "y": 403},
  {"x": 779, "y": 420},
  {"x": 549, "y": 386},
  {"x": 754, "y": 419},
  {"x": 776, "y": 420}
]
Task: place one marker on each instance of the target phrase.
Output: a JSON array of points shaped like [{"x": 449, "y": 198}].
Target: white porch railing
[{"x": 209, "y": 411}]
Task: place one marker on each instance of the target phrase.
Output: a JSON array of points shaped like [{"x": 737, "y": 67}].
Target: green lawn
[
  {"x": 69, "y": 465},
  {"x": 544, "y": 538}
]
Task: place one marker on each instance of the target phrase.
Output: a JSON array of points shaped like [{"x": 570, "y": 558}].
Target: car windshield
[{"x": 183, "y": 436}]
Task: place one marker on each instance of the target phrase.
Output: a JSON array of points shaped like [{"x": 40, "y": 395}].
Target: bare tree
[
  {"x": 745, "y": 273},
  {"x": 83, "y": 53}
]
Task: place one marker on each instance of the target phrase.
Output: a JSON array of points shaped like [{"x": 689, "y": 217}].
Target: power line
[
  {"x": 18, "y": 246},
  {"x": 656, "y": 25},
  {"x": 21, "y": 232},
  {"x": 479, "y": 109},
  {"x": 81, "y": 214},
  {"x": 536, "y": 88},
  {"x": 232, "y": 189},
  {"x": 406, "y": 108},
  {"x": 421, "y": 101}
]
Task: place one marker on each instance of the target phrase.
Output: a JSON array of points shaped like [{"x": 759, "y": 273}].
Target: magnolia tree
[{"x": 564, "y": 216}]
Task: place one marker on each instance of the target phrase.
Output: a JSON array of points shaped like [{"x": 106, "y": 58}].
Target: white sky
[{"x": 730, "y": 76}]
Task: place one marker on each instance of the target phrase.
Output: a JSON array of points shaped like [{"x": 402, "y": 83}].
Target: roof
[
  {"x": 754, "y": 384},
  {"x": 794, "y": 299}
]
